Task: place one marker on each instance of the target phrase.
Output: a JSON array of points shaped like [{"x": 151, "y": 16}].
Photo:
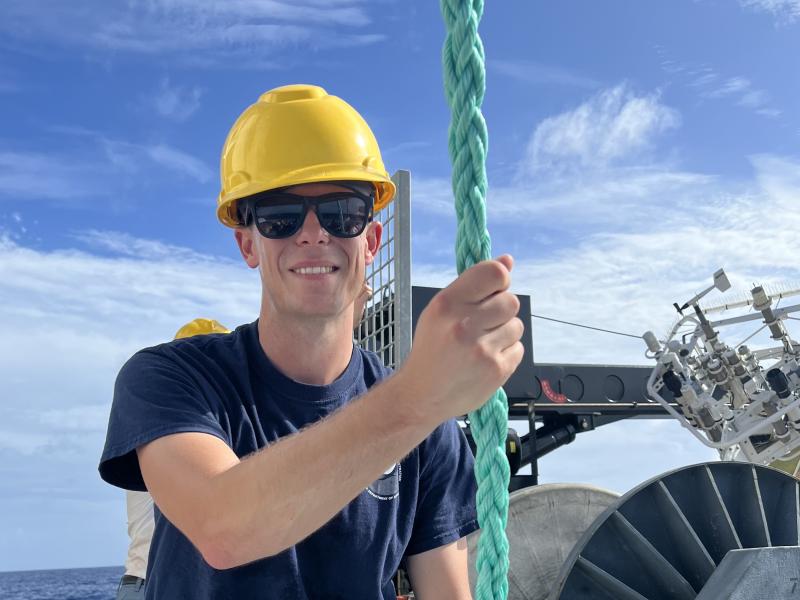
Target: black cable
[{"x": 638, "y": 337}]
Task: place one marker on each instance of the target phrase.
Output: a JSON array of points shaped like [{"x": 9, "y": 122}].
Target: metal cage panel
[{"x": 386, "y": 326}]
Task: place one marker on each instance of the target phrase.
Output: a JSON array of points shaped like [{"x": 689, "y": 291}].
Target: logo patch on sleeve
[{"x": 387, "y": 486}]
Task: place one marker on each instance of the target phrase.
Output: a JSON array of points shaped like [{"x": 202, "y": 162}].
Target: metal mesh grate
[{"x": 386, "y": 326}]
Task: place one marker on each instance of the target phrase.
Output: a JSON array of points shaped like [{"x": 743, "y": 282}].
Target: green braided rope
[{"x": 465, "y": 85}]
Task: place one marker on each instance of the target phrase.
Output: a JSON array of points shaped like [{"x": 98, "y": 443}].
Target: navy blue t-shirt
[{"x": 224, "y": 385}]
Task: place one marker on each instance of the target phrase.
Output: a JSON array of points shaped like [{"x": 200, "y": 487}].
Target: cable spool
[
  {"x": 544, "y": 523},
  {"x": 665, "y": 539}
]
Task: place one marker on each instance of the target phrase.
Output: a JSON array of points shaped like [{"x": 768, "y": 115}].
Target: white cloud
[
  {"x": 785, "y": 11},
  {"x": 127, "y": 245},
  {"x": 743, "y": 92},
  {"x": 713, "y": 85},
  {"x": 540, "y": 74},
  {"x": 25, "y": 444},
  {"x": 624, "y": 273},
  {"x": 612, "y": 126},
  {"x": 90, "y": 171},
  {"x": 91, "y": 417},
  {"x": 597, "y": 199},
  {"x": 37, "y": 174},
  {"x": 182, "y": 162},
  {"x": 733, "y": 85},
  {"x": 613, "y": 246},
  {"x": 174, "y": 101},
  {"x": 131, "y": 157},
  {"x": 617, "y": 249},
  {"x": 233, "y": 34}
]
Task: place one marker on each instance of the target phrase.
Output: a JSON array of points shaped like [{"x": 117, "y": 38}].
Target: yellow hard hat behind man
[
  {"x": 200, "y": 327},
  {"x": 298, "y": 134}
]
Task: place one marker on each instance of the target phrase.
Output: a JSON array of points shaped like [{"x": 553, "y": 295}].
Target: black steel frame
[{"x": 559, "y": 401}]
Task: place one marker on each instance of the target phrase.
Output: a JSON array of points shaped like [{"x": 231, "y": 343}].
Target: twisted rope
[{"x": 465, "y": 85}]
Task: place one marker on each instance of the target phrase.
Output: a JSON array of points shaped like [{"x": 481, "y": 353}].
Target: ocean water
[{"x": 61, "y": 584}]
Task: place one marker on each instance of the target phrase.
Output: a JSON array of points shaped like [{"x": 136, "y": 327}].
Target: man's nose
[{"x": 311, "y": 231}]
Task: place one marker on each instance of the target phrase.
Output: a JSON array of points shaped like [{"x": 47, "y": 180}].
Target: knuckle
[
  {"x": 461, "y": 330},
  {"x": 440, "y": 304},
  {"x": 499, "y": 371},
  {"x": 497, "y": 272},
  {"x": 512, "y": 360},
  {"x": 483, "y": 353},
  {"x": 519, "y": 353},
  {"x": 519, "y": 327},
  {"x": 491, "y": 364},
  {"x": 509, "y": 304}
]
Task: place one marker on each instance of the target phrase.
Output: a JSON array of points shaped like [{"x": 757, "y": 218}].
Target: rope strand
[{"x": 465, "y": 85}]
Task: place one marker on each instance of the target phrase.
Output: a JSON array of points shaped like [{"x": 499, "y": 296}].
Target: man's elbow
[
  {"x": 226, "y": 549},
  {"x": 219, "y": 556}
]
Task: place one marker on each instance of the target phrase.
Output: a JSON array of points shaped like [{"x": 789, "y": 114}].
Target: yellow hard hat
[
  {"x": 298, "y": 134},
  {"x": 201, "y": 327}
]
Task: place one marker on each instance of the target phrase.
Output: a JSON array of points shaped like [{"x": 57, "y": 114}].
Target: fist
[{"x": 466, "y": 344}]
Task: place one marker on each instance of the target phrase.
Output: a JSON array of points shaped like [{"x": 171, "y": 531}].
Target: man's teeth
[{"x": 313, "y": 270}]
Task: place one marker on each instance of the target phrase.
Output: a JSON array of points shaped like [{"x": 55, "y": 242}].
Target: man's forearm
[{"x": 280, "y": 495}]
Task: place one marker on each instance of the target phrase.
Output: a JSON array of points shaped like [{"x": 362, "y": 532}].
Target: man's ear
[
  {"x": 374, "y": 233},
  {"x": 247, "y": 245}
]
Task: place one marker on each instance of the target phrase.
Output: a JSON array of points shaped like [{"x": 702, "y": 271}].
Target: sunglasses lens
[
  {"x": 343, "y": 215},
  {"x": 279, "y": 220}
]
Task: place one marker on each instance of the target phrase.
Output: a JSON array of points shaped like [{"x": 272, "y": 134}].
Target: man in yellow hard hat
[{"x": 284, "y": 461}]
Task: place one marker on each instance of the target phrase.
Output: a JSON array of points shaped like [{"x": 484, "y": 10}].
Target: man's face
[{"x": 312, "y": 273}]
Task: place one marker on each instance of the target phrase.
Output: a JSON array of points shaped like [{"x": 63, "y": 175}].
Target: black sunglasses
[{"x": 279, "y": 214}]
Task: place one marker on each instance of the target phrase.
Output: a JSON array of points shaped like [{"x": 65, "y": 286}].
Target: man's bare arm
[
  {"x": 466, "y": 345},
  {"x": 236, "y": 511},
  {"x": 441, "y": 573}
]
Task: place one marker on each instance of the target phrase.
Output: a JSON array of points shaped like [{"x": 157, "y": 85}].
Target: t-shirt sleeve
[
  {"x": 446, "y": 502},
  {"x": 153, "y": 397}
]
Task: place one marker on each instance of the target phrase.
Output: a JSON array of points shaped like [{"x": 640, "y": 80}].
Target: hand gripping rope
[{"x": 465, "y": 85}]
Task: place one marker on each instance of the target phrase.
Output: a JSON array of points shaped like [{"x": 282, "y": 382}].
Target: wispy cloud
[
  {"x": 540, "y": 74},
  {"x": 611, "y": 127},
  {"x": 88, "y": 171},
  {"x": 785, "y": 11},
  {"x": 201, "y": 33},
  {"x": 619, "y": 262},
  {"x": 174, "y": 101},
  {"x": 43, "y": 175},
  {"x": 179, "y": 161},
  {"x": 739, "y": 89},
  {"x": 125, "y": 245},
  {"x": 710, "y": 84},
  {"x": 616, "y": 242}
]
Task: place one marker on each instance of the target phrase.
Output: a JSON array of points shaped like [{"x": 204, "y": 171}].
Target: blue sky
[{"x": 634, "y": 149}]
